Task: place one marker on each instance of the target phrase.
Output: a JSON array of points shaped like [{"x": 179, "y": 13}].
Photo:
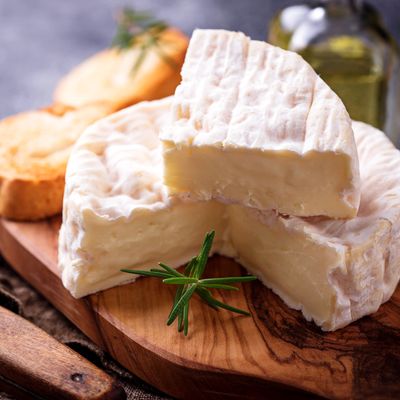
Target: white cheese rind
[
  {"x": 117, "y": 213},
  {"x": 242, "y": 96},
  {"x": 350, "y": 266}
]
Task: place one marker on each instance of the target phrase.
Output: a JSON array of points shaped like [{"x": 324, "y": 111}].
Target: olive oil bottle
[{"x": 347, "y": 44}]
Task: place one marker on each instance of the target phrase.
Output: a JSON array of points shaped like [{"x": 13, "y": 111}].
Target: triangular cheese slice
[{"x": 254, "y": 124}]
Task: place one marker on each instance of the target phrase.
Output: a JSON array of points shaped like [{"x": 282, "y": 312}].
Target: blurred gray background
[{"x": 41, "y": 40}]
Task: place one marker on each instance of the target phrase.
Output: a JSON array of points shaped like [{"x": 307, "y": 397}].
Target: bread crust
[
  {"x": 31, "y": 176},
  {"x": 107, "y": 76},
  {"x": 31, "y": 200},
  {"x": 35, "y": 145}
]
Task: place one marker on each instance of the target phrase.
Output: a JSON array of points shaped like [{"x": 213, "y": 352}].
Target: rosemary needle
[
  {"x": 191, "y": 282},
  {"x": 142, "y": 31}
]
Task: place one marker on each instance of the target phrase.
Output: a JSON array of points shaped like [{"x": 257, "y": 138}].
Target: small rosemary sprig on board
[
  {"x": 191, "y": 282},
  {"x": 141, "y": 30}
]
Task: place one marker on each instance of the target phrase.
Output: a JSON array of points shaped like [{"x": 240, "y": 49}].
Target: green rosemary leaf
[
  {"x": 161, "y": 271},
  {"x": 146, "y": 273},
  {"x": 205, "y": 295},
  {"x": 170, "y": 270},
  {"x": 236, "y": 279},
  {"x": 128, "y": 15},
  {"x": 168, "y": 60},
  {"x": 140, "y": 59},
  {"x": 228, "y": 307},
  {"x": 217, "y": 286},
  {"x": 122, "y": 39},
  {"x": 178, "y": 295},
  {"x": 180, "y": 322},
  {"x": 185, "y": 319},
  {"x": 190, "y": 266},
  {"x": 180, "y": 303},
  {"x": 204, "y": 253},
  {"x": 140, "y": 29},
  {"x": 190, "y": 283},
  {"x": 180, "y": 281}
]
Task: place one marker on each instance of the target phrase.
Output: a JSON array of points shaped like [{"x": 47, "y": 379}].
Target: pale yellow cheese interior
[
  {"x": 279, "y": 180},
  {"x": 288, "y": 261},
  {"x": 172, "y": 237}
]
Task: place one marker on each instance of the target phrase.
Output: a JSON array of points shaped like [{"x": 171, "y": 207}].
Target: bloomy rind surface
[
  {"x": 239, "y": 94},
  {"x": 115, "y": 201},
  {"x": 368, "y": 270}
]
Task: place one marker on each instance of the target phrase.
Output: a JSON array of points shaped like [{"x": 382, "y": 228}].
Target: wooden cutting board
[{"x": 273, "y": 353}]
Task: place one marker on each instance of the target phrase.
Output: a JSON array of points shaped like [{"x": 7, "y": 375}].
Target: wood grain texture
[
  {"x": 271, "y": 353},
  {"x": 33, "y": 360}
]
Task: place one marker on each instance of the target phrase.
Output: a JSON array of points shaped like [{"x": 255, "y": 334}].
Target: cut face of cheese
[
  {"x": 254, "y": 125},
  {"x": 118, "y": 214},
  {"x": 335, "y": 271}
]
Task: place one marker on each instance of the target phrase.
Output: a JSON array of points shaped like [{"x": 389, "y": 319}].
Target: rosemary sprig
[
  {"x": 191, "y": 282},
  {"x": 141, "y": 30}
]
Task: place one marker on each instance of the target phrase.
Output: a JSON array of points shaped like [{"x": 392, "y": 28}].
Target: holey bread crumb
[
  {"x": 108, "y": 77},
  {"x": 34, "y": 149}
]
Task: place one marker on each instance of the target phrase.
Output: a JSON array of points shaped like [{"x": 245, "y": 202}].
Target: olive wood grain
[{"x": 271, "y": 354}]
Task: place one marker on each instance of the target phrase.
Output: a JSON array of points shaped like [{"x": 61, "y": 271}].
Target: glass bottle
[{"x": 347, "y": 44}]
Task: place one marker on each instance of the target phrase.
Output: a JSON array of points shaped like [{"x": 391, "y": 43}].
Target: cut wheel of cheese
[
  {"x": 34, "y": 149},
  {"x": 108, "y": 76},
  {"x": 255, "y": 125},
  {"x": 117, "y": 213}
]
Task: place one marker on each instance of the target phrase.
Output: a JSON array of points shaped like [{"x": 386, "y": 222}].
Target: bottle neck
[
  {"x": 342, "y": 8},
  {"x": 350, "y": 4}
]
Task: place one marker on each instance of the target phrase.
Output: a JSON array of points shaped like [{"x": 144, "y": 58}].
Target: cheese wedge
[
  {"x": 117, "y": 213},
  {"x": 255, "y": 125}
]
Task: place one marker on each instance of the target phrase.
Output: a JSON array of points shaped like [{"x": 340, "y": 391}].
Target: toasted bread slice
[
  {"x": 108, "y": 76},
  {"x": 34, "y": 149},
  {"x": 35, "y": 145}
]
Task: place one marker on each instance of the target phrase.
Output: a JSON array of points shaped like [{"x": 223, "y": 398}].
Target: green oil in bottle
[
  {"x": 347, "y": 45},
  {"x": 349, "y": 67}
]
